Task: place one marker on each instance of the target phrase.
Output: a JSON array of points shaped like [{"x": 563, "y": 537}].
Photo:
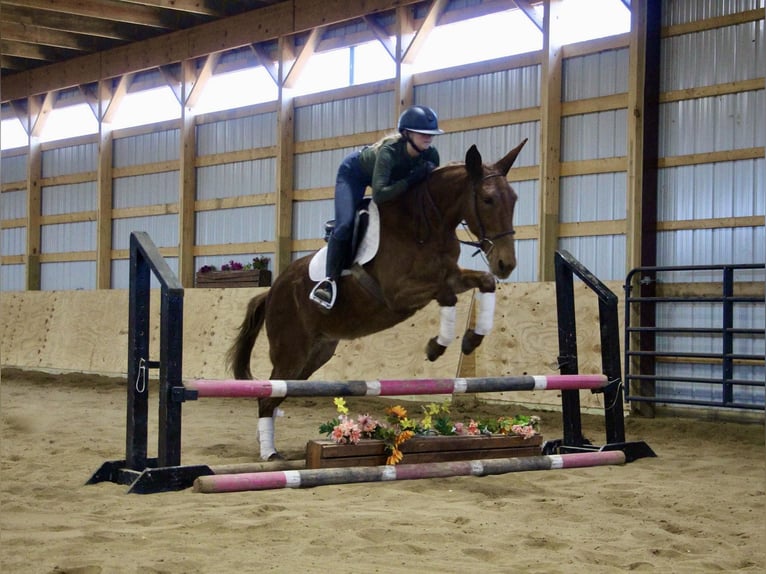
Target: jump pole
[
  {"x": 392, "y": 387},
  {"x": 308, "y": 478}
]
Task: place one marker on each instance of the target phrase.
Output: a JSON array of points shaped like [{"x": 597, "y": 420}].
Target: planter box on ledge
[
  {"x": 328, "y": 454},
  {"x": 242, "y": 278}
]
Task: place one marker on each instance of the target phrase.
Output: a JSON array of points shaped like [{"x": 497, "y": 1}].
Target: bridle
[{"x": 483, "y": 239}]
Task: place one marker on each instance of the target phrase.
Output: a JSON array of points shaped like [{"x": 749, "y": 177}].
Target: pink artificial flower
[
  {"x": 367, "y": 423},
  {"x": 473, "y": 427},
  {"x": 337, "y": 434},
  {"x": 459, "y": 428}
]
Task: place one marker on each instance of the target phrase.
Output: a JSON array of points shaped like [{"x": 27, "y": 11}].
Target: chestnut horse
[{"x": 416, "y": 262}]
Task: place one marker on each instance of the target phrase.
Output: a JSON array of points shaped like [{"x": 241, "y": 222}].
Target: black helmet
[{"x": 420, "y": 119}]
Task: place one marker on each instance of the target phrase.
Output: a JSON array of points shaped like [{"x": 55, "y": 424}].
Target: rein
[{"x": 484, "y": 239}]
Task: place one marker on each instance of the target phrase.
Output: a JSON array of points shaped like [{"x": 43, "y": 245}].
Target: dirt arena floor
[{"x": 697, "y": 507}]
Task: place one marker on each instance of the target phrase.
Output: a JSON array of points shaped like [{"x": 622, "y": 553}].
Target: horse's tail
[{"x": 238, "y": 355}]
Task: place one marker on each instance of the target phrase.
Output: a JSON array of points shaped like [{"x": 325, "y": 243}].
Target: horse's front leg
[{"x": 485, "y": 300}]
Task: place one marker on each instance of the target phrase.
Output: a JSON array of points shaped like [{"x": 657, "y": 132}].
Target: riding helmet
[{"x": 420, "y": 119}]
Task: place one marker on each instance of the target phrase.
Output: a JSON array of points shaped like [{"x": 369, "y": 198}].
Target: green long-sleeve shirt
[{"x": 388, "y": 164}]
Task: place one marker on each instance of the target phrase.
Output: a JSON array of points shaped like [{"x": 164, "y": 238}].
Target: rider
[{"x": 390, "y": 166}]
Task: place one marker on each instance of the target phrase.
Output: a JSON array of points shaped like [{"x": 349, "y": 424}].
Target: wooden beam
[
  {"x": 264, "y": 59},
  {"x": 187, "y": 174},
  {"x": 283, "y": 209},
  {"x": 550, "y": 141},
  {"x": 104, "y": 186},
  {"x": 405, "y": 85},
  {"x": 388, "y": 42},
  {"x": 530, "y": 13},
  {"x": 300, "y": 62},
  {"x": 429, "y": 23},
  {"x": 269, "y": 23},
  {"x": 34, "y": 211},
  {"x": 105, "y": 9}
]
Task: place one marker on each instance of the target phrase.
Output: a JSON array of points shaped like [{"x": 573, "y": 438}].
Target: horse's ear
[
  {"x": 473, "y": 161},
  {"x": 504, "y": 165}
]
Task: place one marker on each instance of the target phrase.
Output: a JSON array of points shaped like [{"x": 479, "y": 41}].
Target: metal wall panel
[
  {"x": 237, "y": 134},
  {"x": 67, "y": 275},
  {"x": 594, "y": 136},
  {"x": 13, "y": 277},
  {"x": 163, "y": 229},
  {"x": 238, "y": 225},
  {"x": 596, "y": 197},
  {"x": 309, "y": 218},
  {"x": 709, "y": 57},
  {"x": 685, "y": 11},
  {"x": 68, "y": 237},
  {"x": 526, "y": 258},
  {"x": 527, "y": 206},
  {"x": 70, "y": 159},
  {"x": 711, "y": 246},
  {"x": 369, "y": 113},
  {"x": 147, "y": 148},
  {"x": 69, "y": 198},
  {"x": 603, "y": 255},
  {"x": 595, "y": 75},
  {"x": 720, "y": 123},
  {"x": 318, "y": 169},
  {"x": 725, "y": 189},
  {"x": 13, "y": 241},
  {"x": 121, "y": 273},
  {"x": 143, "y": 190},
  {"x": 493, "y": 143},
  {"x": 13, "y": 168},
  {"x": 237, "y": 179},
  {"x": 514, "y": 89},
  {"x": 13, "y": 204}
]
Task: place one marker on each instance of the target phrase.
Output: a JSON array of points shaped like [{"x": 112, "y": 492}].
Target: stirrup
[{"x": 323, "y": 302}]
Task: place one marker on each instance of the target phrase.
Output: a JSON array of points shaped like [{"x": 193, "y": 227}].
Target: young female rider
[{"x": 390, "y": 167}]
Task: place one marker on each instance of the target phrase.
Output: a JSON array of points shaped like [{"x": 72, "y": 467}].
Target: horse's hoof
[
  {"x": 470, "y": 341},
  {"x": 434, "y": 350}
]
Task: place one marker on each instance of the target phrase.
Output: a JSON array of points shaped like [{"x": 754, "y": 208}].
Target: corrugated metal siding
[
  {"x": 68, "y": 237},
  {"x": 514, "y": 89},
  {"x": 69, "y": 198},
  {"x": 318, "y": 169},
  {"x": 716, "y": 56},
  {"x": 146, "y": 148},
  {"x": 13, "y": 241},
  {"x": 526, "y": 257},
  {"x": 595, "y": 197},
  {"x": 237, "y": 179},
  {"x": 14, "y": 168},
  {"x": 237, "y": 134},
  {"x": 685, "y": 11},
  {"x": 67, "y": 275},
  {"x": 603, "y": 255},
  {"x": 309, "y": 218},
  {"x": 142, "y": 190},
  {"x": 163, "y": 229},
  {"x": 12, "y": 277},
  {"x": 361, "y": 114},
  {"x": 594, "y": 136},
  {"x": 239, "y": 225},
  {"x": 70, "y": 159},
  {"x": 121, "y": 272},
  {"x": 493, "y": 143},
  {"x": 595, "y": 75},
  {"x": 13, "y": 204}
]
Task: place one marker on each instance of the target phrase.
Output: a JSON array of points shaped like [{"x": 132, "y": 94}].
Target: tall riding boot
[{"x": 326, "y": 290}]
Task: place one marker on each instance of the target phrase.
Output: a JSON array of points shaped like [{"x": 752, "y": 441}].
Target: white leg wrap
[
  {"x": 266, "y": 437},
  {"x": 486, "y": 316},
  {"x": 447, "y": 326}
]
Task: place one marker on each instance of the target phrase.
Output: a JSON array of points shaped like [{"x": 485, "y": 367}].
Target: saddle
[{"x": 364, "y": 242}]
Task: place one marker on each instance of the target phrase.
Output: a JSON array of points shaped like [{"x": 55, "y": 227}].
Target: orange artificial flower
[{"x": 395, "y": 457}]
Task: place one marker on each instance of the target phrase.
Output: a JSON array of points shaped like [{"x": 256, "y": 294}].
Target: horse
[{"x": 416, "y": 262}]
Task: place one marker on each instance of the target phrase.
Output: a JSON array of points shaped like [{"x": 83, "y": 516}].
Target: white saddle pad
[{"x": 367, "y": 249}]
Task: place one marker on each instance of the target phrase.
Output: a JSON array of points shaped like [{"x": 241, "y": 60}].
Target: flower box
[
  {"x": 368, "y": 452},
  {"x": 238, "y": 278}
]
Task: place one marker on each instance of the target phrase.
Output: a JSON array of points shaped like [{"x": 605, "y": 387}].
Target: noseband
[{"x": 483, "y": 232}]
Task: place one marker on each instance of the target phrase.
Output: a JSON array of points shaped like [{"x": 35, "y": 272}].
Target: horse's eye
[{"x": 488, "y": 201}]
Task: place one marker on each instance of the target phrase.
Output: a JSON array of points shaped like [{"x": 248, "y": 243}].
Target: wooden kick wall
[{"x": 87, "y": 331}]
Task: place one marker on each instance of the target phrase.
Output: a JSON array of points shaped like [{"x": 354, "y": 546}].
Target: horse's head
[{"x": 489, "y": 211}]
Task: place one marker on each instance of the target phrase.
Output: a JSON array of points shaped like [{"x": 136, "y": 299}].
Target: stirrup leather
[{"x": 333, "y": 289}]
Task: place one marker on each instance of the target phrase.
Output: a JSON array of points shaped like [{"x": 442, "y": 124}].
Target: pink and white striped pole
[
  {"x": 392, "y": 387},
  {"x": 308, "y": 478}
]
